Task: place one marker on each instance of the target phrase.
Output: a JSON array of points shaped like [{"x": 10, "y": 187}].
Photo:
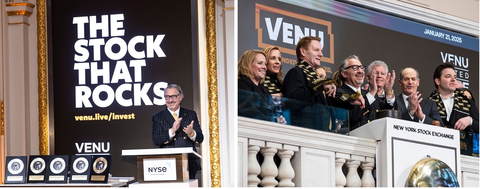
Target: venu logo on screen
[{"x": 284, "y": 29}]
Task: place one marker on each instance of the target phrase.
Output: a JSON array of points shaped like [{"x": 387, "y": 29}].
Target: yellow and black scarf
[
  {"x": 270, "y": 85},
  {"x": 314, "y": 81},
  {"x": 460, "y": 102}
]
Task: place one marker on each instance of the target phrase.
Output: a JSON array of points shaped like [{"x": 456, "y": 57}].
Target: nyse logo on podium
[
  {"x": 159, "y": 169},
  {"x": 92, "y": 147}
]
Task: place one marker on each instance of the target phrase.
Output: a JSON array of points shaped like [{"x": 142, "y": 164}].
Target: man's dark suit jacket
[
  {"x": 429, "y": 108},
  {"x": 163, "y": 121},
  {"x": 357, "y": 116},
  {"x": 308, "y": 108},
  {"x": 458, "y": 113},
  {"x": 295, "y": 87}
]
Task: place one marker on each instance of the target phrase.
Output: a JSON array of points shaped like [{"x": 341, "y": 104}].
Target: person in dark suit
[
  {"x": 410, "y": 103},
  {"x": 361, "y": 104},
  {"x": 457, "y": 111},
  {"x": 176, "y": 127},
  {"x": 302, "y": 82},
  {"x": 304, "y": 85}
]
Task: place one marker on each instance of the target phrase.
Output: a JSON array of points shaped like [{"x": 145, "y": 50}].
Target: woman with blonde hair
[
  {"x": 273, "y": 80},
  {"x": 254, "y": 100}
]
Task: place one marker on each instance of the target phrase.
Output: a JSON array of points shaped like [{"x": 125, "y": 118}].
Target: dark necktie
[{"x": 408, "y": 103}]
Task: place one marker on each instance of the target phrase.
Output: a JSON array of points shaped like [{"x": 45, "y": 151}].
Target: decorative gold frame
[
  {"x": 212, "y": 86},
  {"x": 42, "y": 76},
  {"x": 212, "y": 93}
]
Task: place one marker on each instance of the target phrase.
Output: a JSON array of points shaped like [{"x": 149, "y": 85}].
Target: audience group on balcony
[{"x": 260, "y": 84}]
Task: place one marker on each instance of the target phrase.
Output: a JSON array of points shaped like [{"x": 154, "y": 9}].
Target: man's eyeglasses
[
  {"x": 173, "y": 97},
  {"x": 355, "y": 67}
]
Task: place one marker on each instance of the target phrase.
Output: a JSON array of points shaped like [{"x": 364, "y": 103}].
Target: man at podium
[{"x": 177, "y": 127}]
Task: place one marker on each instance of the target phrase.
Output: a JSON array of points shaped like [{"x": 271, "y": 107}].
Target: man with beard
[
  {"x": 362, "y": 104},
  {"x": 410, "y": 103},
  {"x": 177, "y": 127},
  {"x": 303, "y": 84}
]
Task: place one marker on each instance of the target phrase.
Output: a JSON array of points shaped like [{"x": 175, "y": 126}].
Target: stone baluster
[
  {"x": 269, "y": 169},
  {"x": 353, "y": 179},
  {"x": 367, "y": 177},
  {"x": 285, "y": 170},
  {"x": 340, "y": 179},
  {"x": 253, "y": 166}
]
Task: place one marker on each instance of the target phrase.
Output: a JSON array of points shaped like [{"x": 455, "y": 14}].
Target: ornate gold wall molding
[
  {"x": 19, "y": 4},
  {"x": 19, "y": 12},
  {"x": 212, "y": 93},
  {"x": 42, "y": 76}
]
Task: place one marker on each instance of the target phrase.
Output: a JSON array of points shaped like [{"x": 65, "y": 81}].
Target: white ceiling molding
[{"x": 421, "y": 14}]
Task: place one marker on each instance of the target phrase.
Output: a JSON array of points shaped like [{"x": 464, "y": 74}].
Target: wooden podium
[
  {"x": 162, "y": 165},
  {"x": 401, "y": 144}
]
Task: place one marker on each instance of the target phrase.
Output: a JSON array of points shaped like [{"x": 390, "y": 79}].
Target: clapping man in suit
[
  {"x": 377, "y": 72},
  {"x": 177, "y": 127},
  {"x": 361, "y": 104},
  {"x": 410, "y": 103}
]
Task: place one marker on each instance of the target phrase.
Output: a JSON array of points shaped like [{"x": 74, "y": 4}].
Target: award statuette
[
  {"x": 37, "y": 169},
  {"x": 57, "y": 169},
  {"x": 100, "y": 168},
  {"x": 15, "y": 171},
  {"x": 80, "y": 168}
]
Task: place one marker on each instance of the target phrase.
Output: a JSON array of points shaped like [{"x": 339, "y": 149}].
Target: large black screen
[{"x": 109, "y": 63}]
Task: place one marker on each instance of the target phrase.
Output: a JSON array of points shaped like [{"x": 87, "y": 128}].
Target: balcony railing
[
  {"x": 313, "y": 158},
  {"x": 309, "y": 154},
  {"x": 307, "y": 157}
]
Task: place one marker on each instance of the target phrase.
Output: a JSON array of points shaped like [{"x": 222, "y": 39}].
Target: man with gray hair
[
  {"x": 176, "y": 127},
  {"x": 377, "y": 74},
  {"x": 410, "y": 103},
  {"x": 362, "y": 104}
]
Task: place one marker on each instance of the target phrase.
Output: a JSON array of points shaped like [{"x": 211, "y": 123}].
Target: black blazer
[
  {"x": 295, "y": 87},
  {"x": 429, "y": 108},
  {"x": 458, "y": 114},
  {"x": 163, "y": 121},
  {"x": 308, "y": 108},
  {"x": 357, "y": 116}
]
